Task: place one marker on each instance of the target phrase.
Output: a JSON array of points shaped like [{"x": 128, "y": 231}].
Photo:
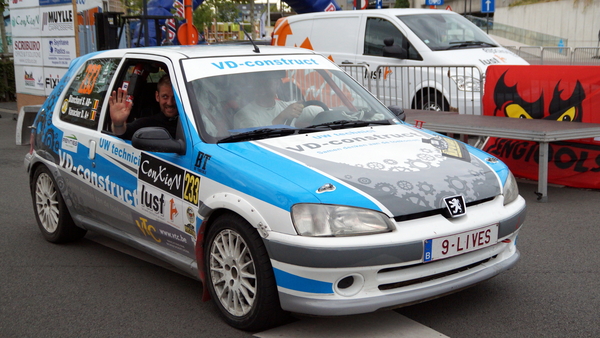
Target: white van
[{"x": 434, "y": 59}]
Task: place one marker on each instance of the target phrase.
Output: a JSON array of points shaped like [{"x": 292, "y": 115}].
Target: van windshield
[
  {"x": 264, "y": 104},
  {"x": 447, "y": 31}
]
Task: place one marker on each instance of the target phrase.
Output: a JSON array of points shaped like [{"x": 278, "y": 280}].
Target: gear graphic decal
[
  {"x": 457, "y": 184},
  {"x": 386, "y": 188},
  {"x": 364, "y": 180},
  {"x": 426, "y": 157},
  {"x": 418, "y": 164},
  {"x": 405, "y": 185},
  {"x": 399, "y": 169},
  {"x": 415, "y": 199},
  {"x": 426, "y": 188},
  {"x": 390, "y": 162},
  {"x": 375, "y": 165}
]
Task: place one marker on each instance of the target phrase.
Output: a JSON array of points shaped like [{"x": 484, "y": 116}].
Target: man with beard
[{"x": 167, "y": 118}]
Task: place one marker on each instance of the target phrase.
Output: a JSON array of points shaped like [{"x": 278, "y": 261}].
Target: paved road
[{"x": 96, "y": 288}]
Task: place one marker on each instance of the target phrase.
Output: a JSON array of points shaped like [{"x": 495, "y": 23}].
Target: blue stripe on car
[{"x": 297, "y": 283}]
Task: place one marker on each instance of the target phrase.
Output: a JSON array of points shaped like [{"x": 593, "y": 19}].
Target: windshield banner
[
  {"x": 199, "y": 68},
  {"x": 561, "y": 93}
]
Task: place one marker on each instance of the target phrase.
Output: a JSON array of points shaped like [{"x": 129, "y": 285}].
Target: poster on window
[{"x": 561, "y": 93}]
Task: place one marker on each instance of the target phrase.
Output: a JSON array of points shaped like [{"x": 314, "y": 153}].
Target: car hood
[{"x": 401, "y": 168}]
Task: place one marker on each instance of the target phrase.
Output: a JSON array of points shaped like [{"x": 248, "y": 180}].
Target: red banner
[{"x": 561, "y": 93}]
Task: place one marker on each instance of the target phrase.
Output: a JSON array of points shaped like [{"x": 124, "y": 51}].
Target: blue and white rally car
[{"x": 274, "y": 178}]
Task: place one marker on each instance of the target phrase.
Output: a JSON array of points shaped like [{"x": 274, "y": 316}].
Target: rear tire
[
  {"x": 239, "y": 275},
  {"x": 51, "y": 213}
]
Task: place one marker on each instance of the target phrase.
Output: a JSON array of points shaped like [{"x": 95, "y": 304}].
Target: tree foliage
[{"x": 402, "y": 4}]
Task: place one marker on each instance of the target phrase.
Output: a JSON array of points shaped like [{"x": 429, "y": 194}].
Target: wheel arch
[
  {"x": 429, "y": 90},
  {"x": 217, "y": 205}
]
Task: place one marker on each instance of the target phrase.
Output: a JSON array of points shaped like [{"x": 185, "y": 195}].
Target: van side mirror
[
  {"x": 394, "y": 51},
  {"x": 157, "y": 139},
  {"x": 398, "y": 111}
]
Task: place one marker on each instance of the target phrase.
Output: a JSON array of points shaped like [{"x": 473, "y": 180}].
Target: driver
[{"x": 267, "y": 109}]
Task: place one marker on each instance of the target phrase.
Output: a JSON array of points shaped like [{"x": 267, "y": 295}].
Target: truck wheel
[
  {"x": 432, "y": 100},
  {"x": 240, "y": 277},
  {"x": 51, "y": 213}
]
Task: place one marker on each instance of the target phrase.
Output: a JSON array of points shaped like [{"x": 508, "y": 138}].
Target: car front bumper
[{"x": 362, "y": 278}]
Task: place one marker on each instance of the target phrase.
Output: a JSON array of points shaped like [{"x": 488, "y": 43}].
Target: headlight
[
  {"x": 333, "y": 220},
  {"x": 466, "y": 83},
  {"x": 510, "y": 190}
]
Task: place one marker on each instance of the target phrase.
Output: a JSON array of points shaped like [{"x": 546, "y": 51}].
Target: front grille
[
  {"x": 440, "y": 211},
  {"x": 390, "y": 286}
]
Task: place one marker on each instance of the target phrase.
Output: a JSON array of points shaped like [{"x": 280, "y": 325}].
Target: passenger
[
  {"x": 167, "y": 118},
  {"x": 267, "y": 109}
]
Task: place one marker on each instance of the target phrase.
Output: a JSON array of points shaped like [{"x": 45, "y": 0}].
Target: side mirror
[
  {"x": 157, "y": 139},
  {"x": 399, "y": 112}
]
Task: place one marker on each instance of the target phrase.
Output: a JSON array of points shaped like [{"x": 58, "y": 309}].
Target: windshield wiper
[
  {"x": 341, "y": 124},
  {"x": 262, "y": 133},
  {"x": 462, "y": 44}
]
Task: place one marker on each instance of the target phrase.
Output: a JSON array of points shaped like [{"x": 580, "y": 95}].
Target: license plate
[{"x": 458, "y": 244}]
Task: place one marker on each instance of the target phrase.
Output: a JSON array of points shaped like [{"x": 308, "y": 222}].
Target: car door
[
  {"x": 164, "y": 189},
  {"x": 91, "y": 189},
  {"x": 376, "y": 29}
]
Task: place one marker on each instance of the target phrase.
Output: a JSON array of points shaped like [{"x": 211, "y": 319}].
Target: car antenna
[{"x": 256, "y": 50}]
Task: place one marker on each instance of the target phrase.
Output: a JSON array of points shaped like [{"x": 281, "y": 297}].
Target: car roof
[
  {"x": 387, "y": 11},
  {"x": 217, "y": 50}
]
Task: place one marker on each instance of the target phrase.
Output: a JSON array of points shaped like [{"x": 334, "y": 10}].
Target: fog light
[{"x": 350, "y": 285}]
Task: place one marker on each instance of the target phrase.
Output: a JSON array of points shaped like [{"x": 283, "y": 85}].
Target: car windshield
[
  {"x": 446, "y": 31},
  {"x": 233, "y": 105}
]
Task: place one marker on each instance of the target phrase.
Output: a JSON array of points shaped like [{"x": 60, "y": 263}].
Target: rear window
[{"x": 83, "y": 100}]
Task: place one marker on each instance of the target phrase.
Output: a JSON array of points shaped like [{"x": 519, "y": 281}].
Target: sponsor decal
[
  {"x": 162, "y": 175},
  {"x": 265, "y": 63},
  {"x": 101, "y": 182},
  {"x": 160, "y": 233},
  {"x": 450, "y": 148},
  {"x": 192, "y": 188},
  {"x": 119, "y": 151},
  {"x": 190, "y": 214},
  {"x": 70, "y": 143},
  {"x": 348, "y": 140},
  {"x": 492, "y": 61},
  {"x": 189, "y": 229},
  {"x": 173, "y": 212},
  {"x": 152, "y": 200},
  {"x": 147, "y": 229},
  {"x": 201, "y": 160},
  {"x": 65, "y": 105}
]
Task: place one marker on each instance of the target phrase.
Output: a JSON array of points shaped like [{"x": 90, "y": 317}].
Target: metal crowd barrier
[
  {"x": 539, "y": 55},
  {"x": 445, "y": 88}
]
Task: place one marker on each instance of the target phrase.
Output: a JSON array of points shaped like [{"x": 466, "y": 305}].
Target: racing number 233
[
  {"x": 91, "y": 75},
  {"x": 191, "y": 188}
]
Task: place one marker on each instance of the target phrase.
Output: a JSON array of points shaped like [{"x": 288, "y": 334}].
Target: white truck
[{"x": 415, "y": 58}]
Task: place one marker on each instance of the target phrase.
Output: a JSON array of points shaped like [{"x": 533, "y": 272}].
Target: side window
[
  {"x": 85, "y": 96},
  {"x": 140, "y": 79},
  {"x": 379, "y": 29}
]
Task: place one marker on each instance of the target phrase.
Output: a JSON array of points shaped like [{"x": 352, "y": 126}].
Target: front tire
[
  {"x": 51, "y": 213},
  {"x": 240, "y": 277},
  {"x": 432, "y": 100}
]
